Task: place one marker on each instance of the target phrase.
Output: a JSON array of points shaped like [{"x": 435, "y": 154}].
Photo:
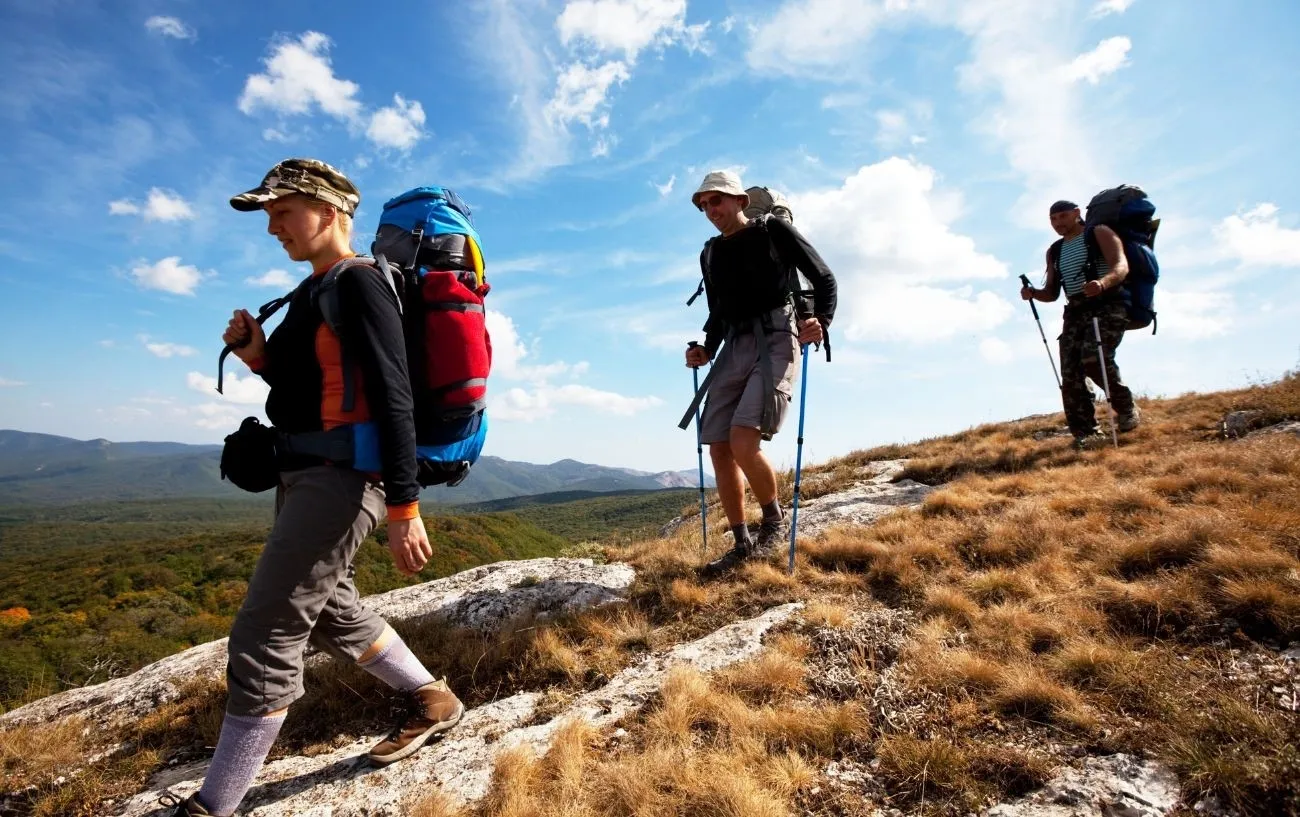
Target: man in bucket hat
[
  {"x": 302, "y": 590},
  {"x": 749, "y": 280}
]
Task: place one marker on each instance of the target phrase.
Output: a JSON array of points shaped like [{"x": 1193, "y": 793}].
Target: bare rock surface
[
  {"x": 1112, "y": 786},
  {"x": 342, "y": 784},
  {"x": 865, "y": 501},
  {"x": 485, "y": 598}
]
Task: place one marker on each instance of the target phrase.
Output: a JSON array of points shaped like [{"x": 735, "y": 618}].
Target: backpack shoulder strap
[
  {"x": 1054, "y": 254},
  {"x": 706, "y": 259},
  {"x": 325, "y": 293}
]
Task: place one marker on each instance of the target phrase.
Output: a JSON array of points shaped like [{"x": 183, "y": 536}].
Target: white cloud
[
  {"x": 581, "y": 91},
  {"x": 169, "y": 27},
  {"x": 107, "y": 343},
  {"x": 519, "y": 404},
  {"x": 903, "y": 274},
  {"x": 160, "y": 205},
  {"x": 899, "y": 127},
  {"x": 397, "y": 126},
  {"x": 273, "y": 135},
  {"x": 1190, "y": 315},
  {"x": 1256, "y": 238},
  {"x": 218, "y": 416},
  {"x": 629, "y": 26},
  {"x": 272, "y": 279},
  {"x": 817, "y": 34},
  {"x": 6, "y": 383},
  {"x": 540, "y": 398},
  {"x": 1106, "y": 7},
  {"x": 298, "y": 78},
  {"x": 249, "y": 390},
  {"x": 1108, "y": 57},
  {"x": 161, "y": 349},
  {"x": 168, "y": 275},
  {"x": 996, "y": 350}
]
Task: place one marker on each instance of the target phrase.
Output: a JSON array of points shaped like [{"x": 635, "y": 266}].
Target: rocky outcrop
[
  {"x": 342, "y": 784},
  {"x": 1113, "y": 786},
  {"x": 862, "y": 503},
  {"x": 484, "y": 598}
]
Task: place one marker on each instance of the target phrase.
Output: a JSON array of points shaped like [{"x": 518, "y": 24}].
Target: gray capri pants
[{"x": 302, "y": 589}]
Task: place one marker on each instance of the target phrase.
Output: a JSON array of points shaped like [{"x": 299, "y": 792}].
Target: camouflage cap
[{"x": 308, "y": 177}]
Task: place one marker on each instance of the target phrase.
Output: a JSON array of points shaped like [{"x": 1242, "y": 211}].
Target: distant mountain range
[{"x": 47, "y": 469}]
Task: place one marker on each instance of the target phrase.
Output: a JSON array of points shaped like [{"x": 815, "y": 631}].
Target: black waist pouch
[{"x": 249, "y": 457}]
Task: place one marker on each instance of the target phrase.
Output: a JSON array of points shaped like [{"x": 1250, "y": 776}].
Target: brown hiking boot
[{"x": 434, "y": 709}]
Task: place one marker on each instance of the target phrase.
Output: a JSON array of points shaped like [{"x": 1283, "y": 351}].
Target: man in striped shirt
[{"x": 1090, "y": 266}]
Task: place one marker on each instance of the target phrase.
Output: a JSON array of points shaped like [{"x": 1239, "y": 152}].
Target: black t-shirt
[{"x": 743, "y": 280}]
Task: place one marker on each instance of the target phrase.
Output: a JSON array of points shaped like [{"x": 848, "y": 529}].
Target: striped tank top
[{"x": 1074, "y": 255}]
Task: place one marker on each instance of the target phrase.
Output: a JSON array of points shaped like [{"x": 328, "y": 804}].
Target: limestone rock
[
  {"x": 865, "y": 501},
  {"x": 342, "y": 784},
  {"x": 484, "y": 598},
  {"x": 1113, "y": 786}
]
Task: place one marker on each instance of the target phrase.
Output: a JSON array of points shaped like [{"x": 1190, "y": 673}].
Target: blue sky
[{"x": 920, "y": 141}]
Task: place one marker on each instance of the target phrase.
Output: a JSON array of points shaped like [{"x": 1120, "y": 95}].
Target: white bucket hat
[{"x": 721, "y": 181}]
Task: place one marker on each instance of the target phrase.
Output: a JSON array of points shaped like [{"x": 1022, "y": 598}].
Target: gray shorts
[
  {"x": 302, "y": 589},
  {"x": 738, "y": 391}
]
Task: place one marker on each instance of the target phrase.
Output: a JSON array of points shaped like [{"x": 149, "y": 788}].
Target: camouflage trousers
[{"x": 1079, "y": 361}]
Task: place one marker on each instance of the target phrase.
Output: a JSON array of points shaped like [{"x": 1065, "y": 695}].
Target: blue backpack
[
  {"x": 1130, "y": 213},
  {"x": 427, "y": 249}
]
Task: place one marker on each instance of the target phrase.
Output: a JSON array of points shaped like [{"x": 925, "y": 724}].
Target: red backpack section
[{"x": 450, "y": 352}]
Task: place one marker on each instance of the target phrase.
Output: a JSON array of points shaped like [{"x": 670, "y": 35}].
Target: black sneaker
[
  {"x": 727, "y": 561},
  {"x": 770, "y": 535}
]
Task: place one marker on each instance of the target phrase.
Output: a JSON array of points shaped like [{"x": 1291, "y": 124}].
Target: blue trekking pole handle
[
  {"x": 699, "y": 451},
  {"x": 798, "y": 459}
]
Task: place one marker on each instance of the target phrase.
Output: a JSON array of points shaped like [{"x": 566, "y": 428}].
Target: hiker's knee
[
  {"x": 745, "y": 444},
  {"x": 720, "y": 454}
]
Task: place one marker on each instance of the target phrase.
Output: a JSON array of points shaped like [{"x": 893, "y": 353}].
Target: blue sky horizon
[{"x": 920, "y": 142}]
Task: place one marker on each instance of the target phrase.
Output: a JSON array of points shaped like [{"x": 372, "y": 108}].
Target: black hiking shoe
[
  {"x": 727, "y": 561},
  {"x": 1128, "y": 422},
  {"x": 189, "y": 807},
  {"x": 770, "y": 535}
]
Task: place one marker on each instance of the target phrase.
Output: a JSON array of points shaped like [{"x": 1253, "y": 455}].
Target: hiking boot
[
  {"x": 727, "y": 561},
  {"x": 1090, "y": 442},
  {"x": 434, "y": 709},
  {"x": 1128, "y": 422},
  {"x": 189, "y": 807},
  {"x": 770, "y": 534}
]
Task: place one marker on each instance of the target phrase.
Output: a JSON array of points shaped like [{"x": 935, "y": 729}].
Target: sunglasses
[{"x": 711, "y": 201}]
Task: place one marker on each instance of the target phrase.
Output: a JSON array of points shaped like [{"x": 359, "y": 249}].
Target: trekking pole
[
  {"x": 1105, "y": 381},
  {"x": 1025, "y": 280},
  {"x": 798, "y": 457},
  {"x": 699, "y": 451}
]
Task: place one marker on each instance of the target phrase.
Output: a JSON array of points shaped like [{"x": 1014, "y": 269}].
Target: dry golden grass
[{"x": 1060, "y": 597}]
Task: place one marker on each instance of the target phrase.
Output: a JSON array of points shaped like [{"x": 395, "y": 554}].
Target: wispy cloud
[
  {"x": 246, "y": 390},
  {"x": 161, "y": 349},
  {"x": 1108, "y": 57},
  {"x": 6, "y": 383},
  {"x": 170, "y": 27},
  {"x": 1108, "y": 7}
]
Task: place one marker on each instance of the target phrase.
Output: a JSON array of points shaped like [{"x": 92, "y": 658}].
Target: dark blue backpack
[{"x": 1131, "y": 214}]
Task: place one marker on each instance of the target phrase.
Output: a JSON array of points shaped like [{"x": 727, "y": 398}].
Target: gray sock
[
  {"x": 741, "y": 534},
  {"x": 398, "y": 667},
  {"x": 772, "y": 512},
  {"x": 241, "y": 751}
]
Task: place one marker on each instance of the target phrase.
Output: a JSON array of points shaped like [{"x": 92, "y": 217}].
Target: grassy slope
[{"x": 1061, "y": 602}]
